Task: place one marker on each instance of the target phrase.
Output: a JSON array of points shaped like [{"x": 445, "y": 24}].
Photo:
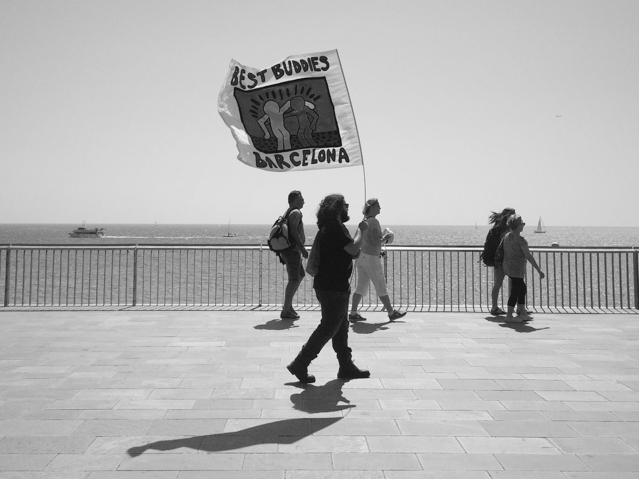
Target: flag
[{"x": 294, "y": 115}]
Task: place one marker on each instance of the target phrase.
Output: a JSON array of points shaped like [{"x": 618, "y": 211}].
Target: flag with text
[{"x": 294, "y": 115}]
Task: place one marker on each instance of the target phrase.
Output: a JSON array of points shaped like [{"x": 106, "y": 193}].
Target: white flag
[{"x": 295, "y": 115}]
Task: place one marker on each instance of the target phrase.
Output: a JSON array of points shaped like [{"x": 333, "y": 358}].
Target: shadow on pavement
[
  {"x": 277, "y": 324},
  {"x": 362, "y": 327},
  {"x": 523, "y": 327},
  {"x": 312, "y": 400}
]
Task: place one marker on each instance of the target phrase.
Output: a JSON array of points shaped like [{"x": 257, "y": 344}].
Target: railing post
[
  {"x": 135, "y": 275},
  {"x": 7, "y": 277},
  {"x": 259, "y": 291},
  {"x": 635, "y": 254}
]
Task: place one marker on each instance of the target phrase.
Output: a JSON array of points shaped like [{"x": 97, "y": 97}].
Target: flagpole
[{"x": 355, "y": 121}]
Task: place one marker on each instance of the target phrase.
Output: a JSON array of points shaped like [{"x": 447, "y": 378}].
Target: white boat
[
  {"x": 84, "y": 232},
  {"x": 540, "y": 227},
  {"x": 228, "y": 232}
]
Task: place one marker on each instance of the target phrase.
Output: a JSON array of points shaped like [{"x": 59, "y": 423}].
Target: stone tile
[
  {"x": 113, "y": 427},
  {"x": 183, "y": 462},
  {"x": 45, "y": 445},
  {"x": 312, "y": 461},
  {"x": 612, "y": 462},
  {"x": 373, "y": 462},
  {"x": 439, "y": 475},
  {"x": 84, "y": 462},
  {"x": 507, "y": 445},
  {"x": 587, "y": 445},
  {"x": 408, "y": 444},
  {"x": 330, "y": 444},
  {"x": 24, "y": 462},
  {"x": 424, "y": 428},
  {"x": 527, "y": 429},
  {"x": 542, "y": 462},
  {"x": 459, "y": 462},
  {"x": 38, "y": 427}
]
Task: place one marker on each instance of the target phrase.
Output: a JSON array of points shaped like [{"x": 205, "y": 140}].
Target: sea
[{"x": 224, "y": 234}]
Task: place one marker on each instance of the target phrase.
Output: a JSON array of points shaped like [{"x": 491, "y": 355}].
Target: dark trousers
[
  {"x": 333, "y": 326},
  {"x": 517, "y": 292}
]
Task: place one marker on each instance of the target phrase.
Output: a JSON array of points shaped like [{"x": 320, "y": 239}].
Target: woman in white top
[
  {"x": 369, "y": 265},
  {"x": 516, "y": 256}
]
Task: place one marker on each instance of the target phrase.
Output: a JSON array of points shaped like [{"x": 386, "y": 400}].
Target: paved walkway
[{"x": 193, "y": 395}]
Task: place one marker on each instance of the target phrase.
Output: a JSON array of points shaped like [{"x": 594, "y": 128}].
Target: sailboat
[
  {"x": 228, "y": 232},
  {"x": 540, "y": 227}
]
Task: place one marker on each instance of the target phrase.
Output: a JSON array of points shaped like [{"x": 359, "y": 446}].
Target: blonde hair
[
  {"x": 514, "y": 221},
  {"x": 369, "y": 204}
]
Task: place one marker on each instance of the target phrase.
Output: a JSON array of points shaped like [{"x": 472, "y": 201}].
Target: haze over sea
[{"x": 123, "y": 234}]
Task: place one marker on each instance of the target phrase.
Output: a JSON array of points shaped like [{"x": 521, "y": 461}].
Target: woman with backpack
[{"x": 494, "y": 237}]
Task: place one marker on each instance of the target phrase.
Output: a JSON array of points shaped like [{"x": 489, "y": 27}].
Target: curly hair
[
  {"x": 329, "y": 208},
  {"x": 500, "y": 219}
]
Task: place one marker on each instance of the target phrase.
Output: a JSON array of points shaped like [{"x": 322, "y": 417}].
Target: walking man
[
  {"x": 332, "y": 288},
  {"x": 292, "y": 257}
]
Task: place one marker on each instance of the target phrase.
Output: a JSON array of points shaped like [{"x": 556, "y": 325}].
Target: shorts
[
  {"x": 293, "y": 261},
  {"x": 369, "y": 268}
]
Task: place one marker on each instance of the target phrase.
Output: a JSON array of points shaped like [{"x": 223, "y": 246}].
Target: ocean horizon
[{"x": 216, "y": 234}]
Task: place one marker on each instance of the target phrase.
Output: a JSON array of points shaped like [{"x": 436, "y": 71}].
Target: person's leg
[
  {"x": 334, "y": 308},
  {"x": 295, "y": 271},
  {"x": 347, "y": 369},
  {"x": 512, "y": 299},
  {"x": 362, "y": 288},
  {"x": 498, "y": 277},
  {"x": 521, "y": 300},
  {"x": 376, "y": 273}
]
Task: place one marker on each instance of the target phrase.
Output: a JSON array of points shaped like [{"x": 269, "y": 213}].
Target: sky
[{"x": 108, "y": 109}]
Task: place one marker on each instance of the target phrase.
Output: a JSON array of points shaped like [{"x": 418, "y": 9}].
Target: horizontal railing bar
[{"x": 253, "y": 246}]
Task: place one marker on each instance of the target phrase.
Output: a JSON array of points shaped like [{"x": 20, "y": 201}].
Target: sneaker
[
  {"x": 497, "y": 312},
  {"x": 396, "y": 315},
  {"x": 354, "y": 317}
]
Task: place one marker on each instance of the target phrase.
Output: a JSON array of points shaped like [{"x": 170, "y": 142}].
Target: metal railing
[{"x": 420, "y": 278}]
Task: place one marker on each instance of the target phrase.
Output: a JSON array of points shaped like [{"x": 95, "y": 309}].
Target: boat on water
[
  {"x": 540, "y": 227},
  {"x": 228, "y": 232},
  {"x": 84, "y": 232}
]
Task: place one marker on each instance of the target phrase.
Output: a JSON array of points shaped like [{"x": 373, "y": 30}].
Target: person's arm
[
  {"x": 293, "y": 224},
  {"x": 353, "y": 248},
  {"x": 531, "y": 259}
]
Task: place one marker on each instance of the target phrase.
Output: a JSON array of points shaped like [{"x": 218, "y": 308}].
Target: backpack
[
  {"x": 278, "y": 239},
  {"x": 493, "y": 238}
]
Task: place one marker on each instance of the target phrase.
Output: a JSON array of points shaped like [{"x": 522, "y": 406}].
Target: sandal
[
  {"x": 497, "y": 311},
  {"x": 354, "y": 317},
  {"x": 396, "y": 315}
]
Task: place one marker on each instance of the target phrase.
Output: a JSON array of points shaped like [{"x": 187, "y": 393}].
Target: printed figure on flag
[{"x": 295, "y": 115}]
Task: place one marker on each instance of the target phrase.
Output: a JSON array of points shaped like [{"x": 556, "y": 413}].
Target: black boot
[
  {"x": 348, "y": 370},
  {"x": 299, "y": 367}
]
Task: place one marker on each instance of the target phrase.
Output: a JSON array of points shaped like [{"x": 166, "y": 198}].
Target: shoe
[
  {"x": 396, "y": 315},
  {"x": 300, "y": 372},
  {"x": 354, "y": 317},
  {"x": 497, "y": 311},
  {"x": 513, "y": 319},
  {"x": 350, "y": 371},
  {"x": 289, "y": 315}
]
